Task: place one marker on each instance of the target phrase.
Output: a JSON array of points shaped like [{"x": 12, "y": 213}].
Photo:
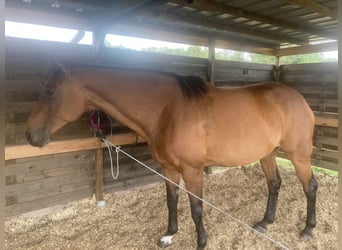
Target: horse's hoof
[
  {"x": 305, "y": 235},
  {"x": 165, "y": 241},
  {"x": 260, "y": 228}
]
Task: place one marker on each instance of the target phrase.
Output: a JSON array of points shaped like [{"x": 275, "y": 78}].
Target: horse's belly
[{"x": 238, "y": 148}]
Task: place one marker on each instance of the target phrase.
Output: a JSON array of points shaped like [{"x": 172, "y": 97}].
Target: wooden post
[
  {"x": 99, "y": 178},
  {"x": 211, "y": 69},
  {"x": 2, "y": 127},
  {"x": 276, "y": 70},
  {"x": 339, "y": 124},
  {"x": 99, "y": 35}
]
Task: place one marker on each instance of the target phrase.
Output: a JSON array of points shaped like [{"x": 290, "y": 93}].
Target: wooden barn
[{"x": 76, "y": 165}]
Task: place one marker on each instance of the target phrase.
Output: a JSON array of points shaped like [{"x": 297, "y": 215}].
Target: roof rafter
[
  {"x": 223, "y": 27},
  {"x": 315, "y": 7},
  {"x": 238, "y": 12}
]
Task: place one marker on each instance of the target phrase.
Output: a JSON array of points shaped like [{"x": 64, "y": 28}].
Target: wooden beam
[
  {"x": 176, "y": 18},
  {"x": 65, "y": 146},
  {"x": 276, "y": 70},
  {"x": 210, "y": 5},
  {"x": 307, "y": 49},
  {"x": 243, "y": 46},
  {"x": 211, "y": 69},
  {"x": 315, "y": 7},
  {"x": 339, "y": 94},
  {"x": 3, "y": 111},
  {"x": 326, "y": 121}
]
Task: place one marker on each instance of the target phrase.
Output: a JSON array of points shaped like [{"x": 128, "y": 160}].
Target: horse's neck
[{"x": 137, "y": 102}]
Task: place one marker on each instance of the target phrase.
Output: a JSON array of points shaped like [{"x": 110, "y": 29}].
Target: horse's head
[{"x": 60, "y": 102}]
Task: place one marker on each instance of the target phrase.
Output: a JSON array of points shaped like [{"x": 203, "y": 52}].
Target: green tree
[
  {"x": 194, "y": 51},
  {"x": 306, "y": 58},
  {"x": 258, "y": 58},
  {"x": 229, "y": 55}
]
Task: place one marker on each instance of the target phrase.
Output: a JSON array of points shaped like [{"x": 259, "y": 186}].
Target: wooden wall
[
  {"x": 229, "y": 73},
  {"x": 38, "y": 182},
  {"x": 318, "y": 84}
]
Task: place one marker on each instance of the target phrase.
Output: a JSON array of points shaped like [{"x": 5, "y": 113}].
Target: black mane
[{"x": 192, "y": 86}]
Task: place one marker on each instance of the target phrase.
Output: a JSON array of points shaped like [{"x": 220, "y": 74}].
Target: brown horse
[{"x": 189, "y": 124}]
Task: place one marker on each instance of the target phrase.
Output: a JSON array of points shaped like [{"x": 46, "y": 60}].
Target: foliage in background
[
  {"x": 193, "y": 51},
  {"x": 306, "y": 58},
  {"x": 230, "y": 55}
]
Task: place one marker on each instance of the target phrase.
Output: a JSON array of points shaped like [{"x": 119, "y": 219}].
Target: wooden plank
[
  {"x": 325, "y": 68},
  {"x": 323, "y": 102},
  {"x": 50, "y": 183},
  {"x": 330, "y": 88},
  {"x": 50, "y": 163},
  {"x": 232, "y": 64},
  {"x": 325, "y": 140},
  {"x": 47, "y": 202},
  {"x": 48, "y": 192},
  {"x": 324, "y": 164},
  {"x": 319, "y": 78},
  {"x": 319, "y": 153},
  {"x": 326, "y": 121},
  {"x": 57, "y": 147}
]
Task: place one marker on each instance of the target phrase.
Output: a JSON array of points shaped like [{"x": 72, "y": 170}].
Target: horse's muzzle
[{"x": 38, "y": 138}]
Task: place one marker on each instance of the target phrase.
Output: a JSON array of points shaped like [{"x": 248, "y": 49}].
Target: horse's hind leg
[
  {"x": 273, "y": 179},
  {"x": 172, "y": 201},
  {"x": 302, "y": 163}
]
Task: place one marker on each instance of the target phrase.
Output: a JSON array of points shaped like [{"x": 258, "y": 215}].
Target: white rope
[{"x": 118, "y": 149}]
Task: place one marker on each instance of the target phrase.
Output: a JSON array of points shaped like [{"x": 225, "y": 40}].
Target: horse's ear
[
  {"x": 57, "y": 70},
  {"x": 57, "y": 66}
]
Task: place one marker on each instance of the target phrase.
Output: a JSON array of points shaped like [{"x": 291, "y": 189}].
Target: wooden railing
[{"x": 65, "y": 146}]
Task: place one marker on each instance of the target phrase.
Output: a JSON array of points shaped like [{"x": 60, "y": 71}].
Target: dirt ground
[{"x": 137, "y": 218}]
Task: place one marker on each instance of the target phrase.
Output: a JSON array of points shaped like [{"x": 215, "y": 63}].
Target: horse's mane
[{"x": 191, "y": 86}]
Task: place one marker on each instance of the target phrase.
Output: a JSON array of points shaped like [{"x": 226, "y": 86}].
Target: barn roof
[{"x": 272, "y": 27}]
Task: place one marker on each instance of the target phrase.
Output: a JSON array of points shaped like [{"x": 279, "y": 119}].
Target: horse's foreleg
[
  {"x": 193, "y": 179},
  {"x": 273, "y": 178},
  {"x": 172, "y": 201}
]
